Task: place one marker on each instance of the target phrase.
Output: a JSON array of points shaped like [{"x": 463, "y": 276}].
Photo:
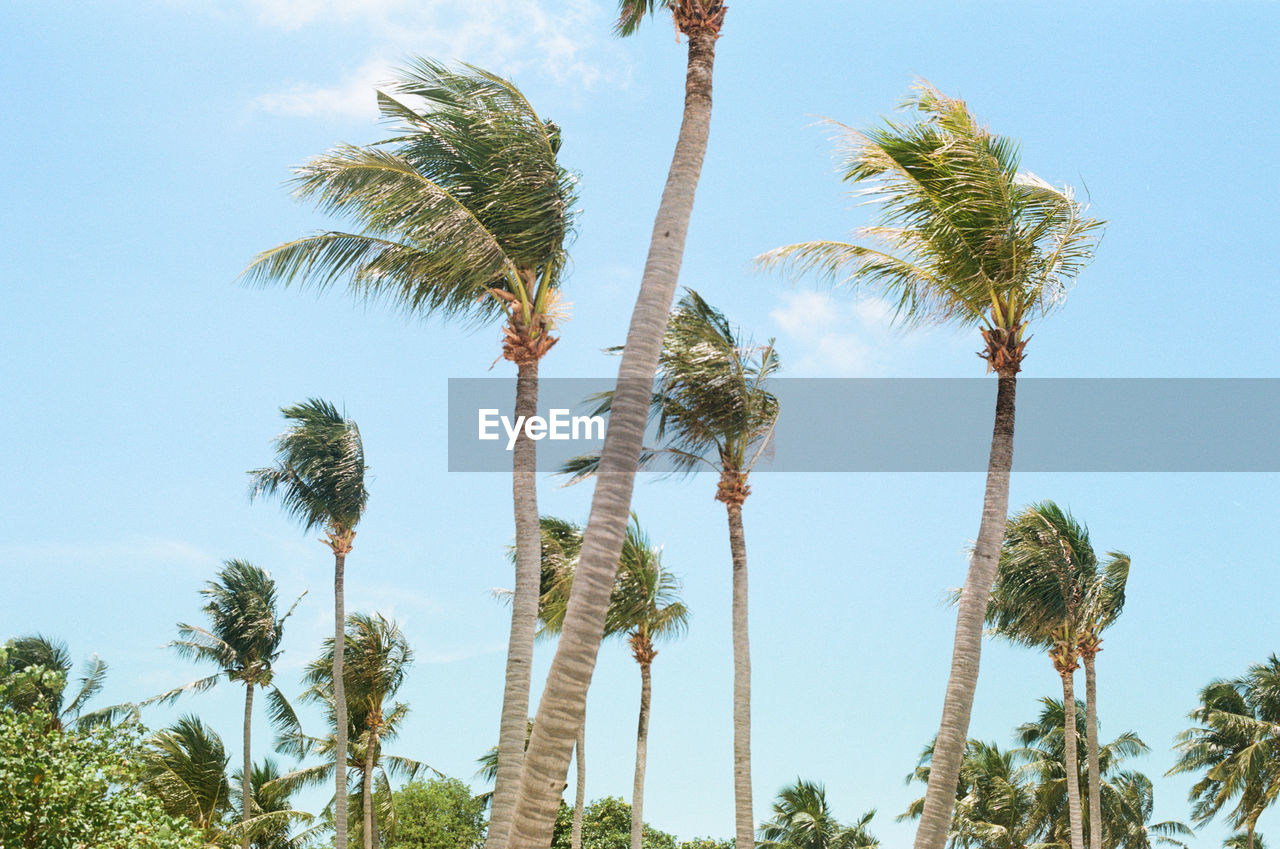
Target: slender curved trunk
[
  {"x": 524, "y": 613},
  {"x": 563, "y": 701},
  {"x": 580, "y": 790},
  {"x": 642, "y": 757},
  {"x": 744, "y": 817},
  {"x": 246, "y": 784},
  {"x": 366, "y": 796},
  {"x": 1071, "y": 757},
  {"x": 339, "y": 705},
  {"x": 1251, "y": 827},
  {"x": 953, "y": 732},
  {"x": 1091, "y": 741}
]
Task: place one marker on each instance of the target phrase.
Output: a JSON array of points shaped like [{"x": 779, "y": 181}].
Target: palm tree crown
[{"x": 802, "y": 819}]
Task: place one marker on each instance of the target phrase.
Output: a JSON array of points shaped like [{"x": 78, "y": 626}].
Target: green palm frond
[{"x": 185, "y": 767}]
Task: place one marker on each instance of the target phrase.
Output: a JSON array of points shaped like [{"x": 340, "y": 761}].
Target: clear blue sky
[{"x": 145, "y": 145}]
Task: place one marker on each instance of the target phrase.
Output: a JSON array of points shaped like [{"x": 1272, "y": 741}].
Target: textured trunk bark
[
  {"x": 563, "y": 701},
  {"x": 366, "y": 797},
  {"x": 1071, "y": 756},
  {"x": 524, "y": 614},
  {"x": 744, "y": 817},
  {"x": 246, "y": 785},
  {"x": 1091, "y": 740},
  {"x": 940, "y": 797},
  {"x": 339, "y": 705},
  {"x": 580, "y": 790},
  {"x": 642, "y": 754}
]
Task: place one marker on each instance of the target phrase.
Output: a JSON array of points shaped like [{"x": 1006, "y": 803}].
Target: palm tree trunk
[
  {"x": 524, "y": 614},
  {"x": 1071, "y": 757},
  {"x": 580, "y": 790},
  {"x": 246, "y": 788},
  {"x": 743, "y": 815},
  {"x": 560, "y": 710},
  {"x": 1091, "y": 740},
  {"x": 366, "y": 797},
  {"x": 642, "y": 753},
  {"x": 339, "y": 706},
  {"x": 940, "y": 797}
]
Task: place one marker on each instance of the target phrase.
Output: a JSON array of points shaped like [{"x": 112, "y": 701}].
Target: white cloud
[{"x": 566, "y": 41}]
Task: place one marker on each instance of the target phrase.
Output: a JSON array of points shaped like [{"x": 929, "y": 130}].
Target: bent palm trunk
[
  {"x": 1071, "y": 758},
  {"x": 524, "y": 613},
  {"x": 940, "y": 797},
  {"x": 563, "y": 701},
  {"x": 1091, "y": 740},
  {"x": 339, "y": 705},
  {"x": 744, "y": 818},
  {"x": 246, "y": 788},
  {"x": 642, "y": 753},
  {"x": 580, "y": 790}
]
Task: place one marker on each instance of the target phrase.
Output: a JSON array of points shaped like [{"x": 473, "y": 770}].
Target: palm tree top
[
  {"x": 467, "y": 199},
  {"x": 963, "y": 236},
  {"x": 690, "y": 16},
  {"x": 320, "y": 470},
  {"x": 646, "y": 596}
]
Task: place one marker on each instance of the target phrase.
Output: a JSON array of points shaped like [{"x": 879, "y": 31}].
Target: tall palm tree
[
  {"x": 185, "y": 767},
  {"x": 52, "y": 655},
  {"x": 464, "y": 213},
  {"x": 1236, "y": 745},
  {"x": 966, "y": 238},
  {"x": 802, "y": 819},
  {"x": 243, "y": 642},
  {"x": 1047, "y": 570},
  {"x": 319, "y": 478},
  {"x": 715, "y": 411},
  {"x": 377, "y": 660},
  {"x": 1104, "y": 601},
  {"x": 646, "y": 607},
  {"x": 564, "y": 696}
]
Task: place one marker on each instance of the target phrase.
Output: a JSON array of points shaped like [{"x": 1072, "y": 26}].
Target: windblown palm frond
[
  {"x": 185, "y": 767},
  {"x": 802, "y": 819},
  {"x": 37, "y": 651}
]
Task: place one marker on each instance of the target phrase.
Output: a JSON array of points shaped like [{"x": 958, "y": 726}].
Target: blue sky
[{"x": 146, "y": 144}]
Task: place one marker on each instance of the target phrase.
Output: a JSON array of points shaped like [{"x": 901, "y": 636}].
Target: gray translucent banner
[{"x": 927, "y": 425}]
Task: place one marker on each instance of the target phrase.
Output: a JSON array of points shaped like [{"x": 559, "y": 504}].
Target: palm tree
[
  {"x": 714, "y": 411},
  {"x": 965, "y": 238},
  {"x": 243, "y": 642},
  {"x": 464, "y": 213},
  {"x": 561, "y": 706},
  {"x": 377, "y": 659},
  {"x": 185, "y": 767},
  {"x": 319, "y": 478},
  {"x": 1047, "y": 569},
  {"x": 1236, "y": 745},
  {"x": 52, "y": 655},
  {"x": 802, "y": 819},
  {"x": 646, "y": 607},
  {"x": 270, "y": 827}
]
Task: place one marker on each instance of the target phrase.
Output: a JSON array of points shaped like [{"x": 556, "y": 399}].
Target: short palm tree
[
  {"x": 563, "y": 700},
  {"x": 319, "y": 478},
  {"x": 1235, "y": 744},
  {"x": 52, "y": 655},
  {"x": 464, "y": 213},
  {"x": 646, "y": 607},
  {"x": 802, "y": 819},
  {"x": 274, "y": 819},
  {"x": 965, "y": 238},
  {"x": 185, "y": 767},
  {"x": 377, "y": 659},
  {"x": 243, "y": 642},
  {"x": 715, "y": 411}
]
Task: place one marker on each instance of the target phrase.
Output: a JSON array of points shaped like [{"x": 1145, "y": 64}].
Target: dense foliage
[{"x": 438, "y": 814}]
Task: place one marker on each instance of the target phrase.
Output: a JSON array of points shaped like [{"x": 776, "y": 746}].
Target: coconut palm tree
[
  {"x": 802, "y": 819},
  {"x": 185, "y": 767},
  {"x": 965, "y": 238},
  {"x": 1047, "y": 569},
  {"x": 243, "y": 642},
  {"x": 715, "y": 411},
  {"x": 377, "y": 659},
  {"x": 270, "y": 827},
  {"x": 319, "y": 478},
  {"x": 646, "y": 607},
  {"x": 464, "y": 213},
  {"x": 1236, "y": 745},
  {"x": 50, "y": 692},
  {"x": 563, "y": 700}
]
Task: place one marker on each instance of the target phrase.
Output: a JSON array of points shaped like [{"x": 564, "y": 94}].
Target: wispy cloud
[{"x": 566, "y": 41}]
